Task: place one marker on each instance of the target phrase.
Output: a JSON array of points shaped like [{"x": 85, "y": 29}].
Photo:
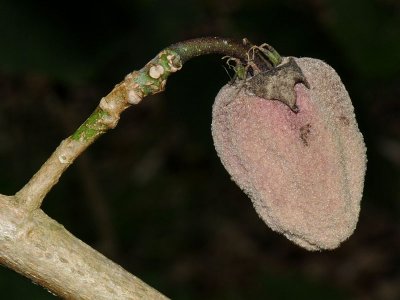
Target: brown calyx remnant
[
  {"x": 304, "y": 171},
  {"x": 278, "y": 83}
]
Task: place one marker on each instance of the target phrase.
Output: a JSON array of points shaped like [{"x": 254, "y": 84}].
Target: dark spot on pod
[{"x": 305, "y": 133}]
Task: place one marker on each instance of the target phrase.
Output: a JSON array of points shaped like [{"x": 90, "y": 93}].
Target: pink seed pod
[{"x": 304, "y": 171}]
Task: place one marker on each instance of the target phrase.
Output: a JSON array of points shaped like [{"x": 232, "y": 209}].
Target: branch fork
[{"x": 41, "y": 249}]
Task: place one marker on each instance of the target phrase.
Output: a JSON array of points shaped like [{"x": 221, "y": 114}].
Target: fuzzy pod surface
[{"x": 304, "y": 171}]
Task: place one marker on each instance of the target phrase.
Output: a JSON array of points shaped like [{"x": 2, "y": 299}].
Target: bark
[{"x": 33, "y": 244}]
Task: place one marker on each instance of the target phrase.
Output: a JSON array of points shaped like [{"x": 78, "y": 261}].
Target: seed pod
[{"x": 304, "y": 171}]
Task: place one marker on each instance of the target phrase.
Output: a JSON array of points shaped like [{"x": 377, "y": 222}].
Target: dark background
[{"x": 152, "y": 194}]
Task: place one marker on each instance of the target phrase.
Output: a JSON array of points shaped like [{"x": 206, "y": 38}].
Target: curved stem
[
  {"x": 151, "y": 79},
  {"x": 228, "y": 47},
  {"x": 210, "y": 45}
]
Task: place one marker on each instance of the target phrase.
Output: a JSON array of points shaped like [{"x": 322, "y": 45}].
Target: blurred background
[{"x": 152, "y": 194}]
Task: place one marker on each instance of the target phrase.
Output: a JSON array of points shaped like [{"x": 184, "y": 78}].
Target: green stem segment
[
  {"x": 228, "y": 47},
  {"x": 211, "y": 45}
]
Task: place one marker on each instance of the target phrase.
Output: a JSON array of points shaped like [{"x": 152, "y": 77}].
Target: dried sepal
[{"x": 277, "y": 83}]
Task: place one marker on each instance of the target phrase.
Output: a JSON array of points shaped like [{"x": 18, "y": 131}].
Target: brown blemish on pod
[{"x": 304, "y": 133}]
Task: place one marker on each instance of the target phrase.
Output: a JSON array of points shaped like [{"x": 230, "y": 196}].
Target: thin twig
[{"x": 148, "y": 81}]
